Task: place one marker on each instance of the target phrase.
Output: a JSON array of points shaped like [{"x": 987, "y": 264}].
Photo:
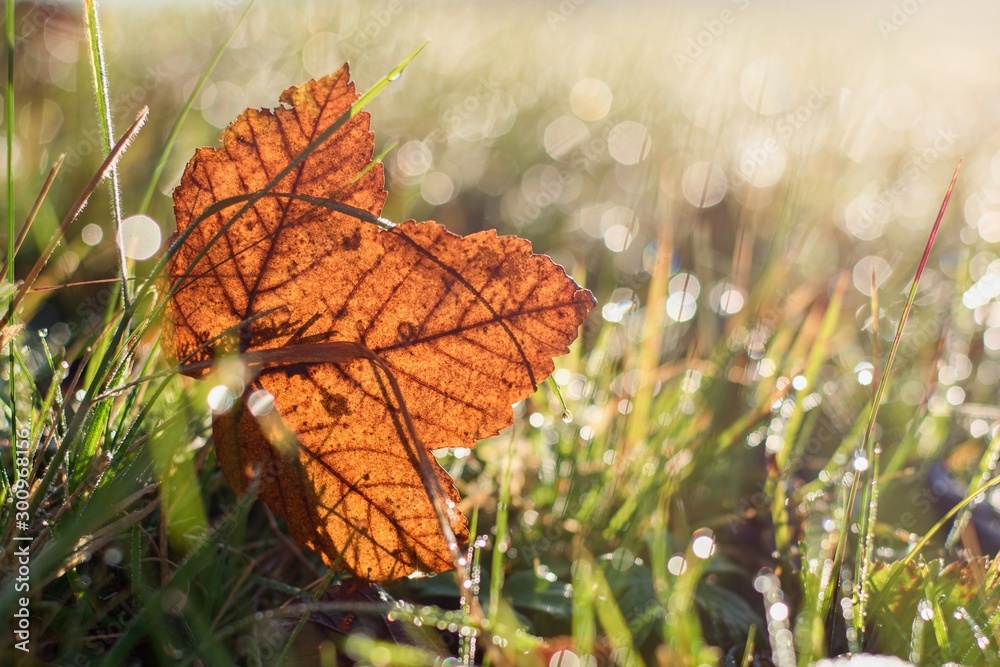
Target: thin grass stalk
[
  {"x": 102, "y": 90},
  {"x": 502, "y": 533},
  {"x": 467, "y": 644},
  {"x": 637, "y": 430},
  {"x": 866, "y": 543},
  {"x": 875, "y": 352},
  {"x": 867, "y": 442},
  {"x": 9, "y": 116},
  {"x": 33, "y": 213}
]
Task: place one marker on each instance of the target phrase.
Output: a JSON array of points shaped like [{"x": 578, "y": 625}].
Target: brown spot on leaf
[
  {"x": 336, "y": 405},
  {"x": 353, "y": 241},
  {"x": 406, "y": 332}
]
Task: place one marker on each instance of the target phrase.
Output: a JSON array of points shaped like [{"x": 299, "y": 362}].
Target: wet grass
[{"x": 763, "y": 448}]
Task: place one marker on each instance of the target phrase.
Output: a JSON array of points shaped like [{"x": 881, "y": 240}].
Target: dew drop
[
  {"x": 220, "y": 399},
  {"x": 260, "y": 402},
  {"x": 567, "y": 416},
  {"x": 703, "y": 544},
  {"x": 676, "y": 565},
  {"x": 778, "y": 611},
  {"x": 113, "y": 556}
]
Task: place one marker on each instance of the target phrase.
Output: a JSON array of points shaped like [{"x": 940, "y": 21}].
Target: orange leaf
[{"x": 376, "y": 346}]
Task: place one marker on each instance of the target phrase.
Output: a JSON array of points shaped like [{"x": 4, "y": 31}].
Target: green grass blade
[
  {"x": 818, "y": 355},
  {"x": 96, "y": 431},
  {"x": 102, "y": 89},
  {"x": 501, "y": 537},
  {"x": 9, "y": 134},
  {"x": 607, "y": 611}
]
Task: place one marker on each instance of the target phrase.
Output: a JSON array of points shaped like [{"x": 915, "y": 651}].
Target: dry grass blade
[
  {"x": 116, "y": 152},
  {"x": 34, "y": 208}
]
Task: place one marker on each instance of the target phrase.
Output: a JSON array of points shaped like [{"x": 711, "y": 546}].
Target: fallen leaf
[{"x": 371, "y": 346}]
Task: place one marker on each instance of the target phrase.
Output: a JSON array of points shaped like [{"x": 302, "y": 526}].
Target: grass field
[{"x": 746, "y": 458}]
